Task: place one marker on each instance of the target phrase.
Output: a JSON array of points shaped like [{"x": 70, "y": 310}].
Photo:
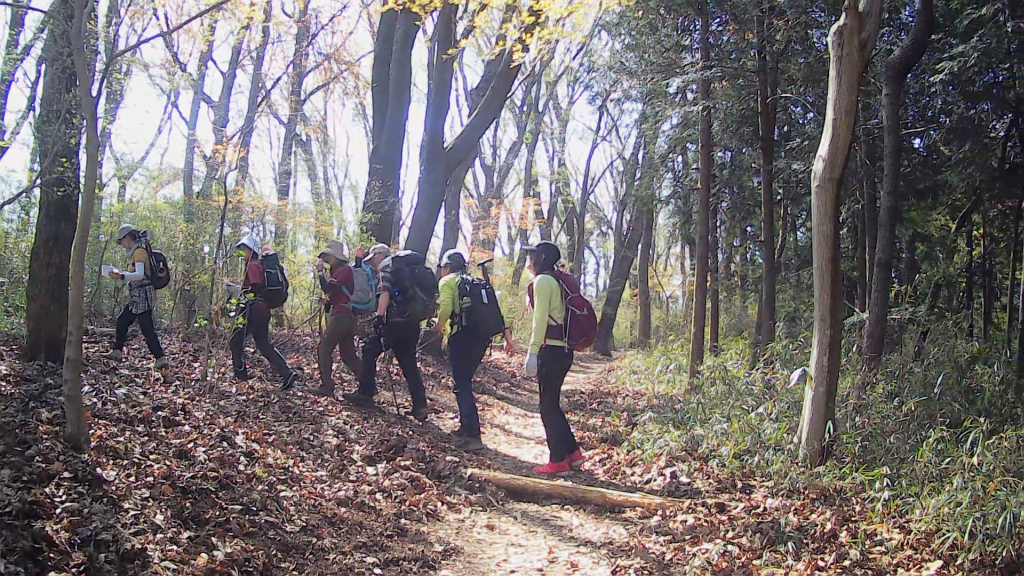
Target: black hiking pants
[
  {"x": 403, "y": 339},
  {"x": 553, "y": 363},
  {"x": 145, "y": 320},
  {"x": 257, "y": 323},
  {"x": 465, "y": 352}
]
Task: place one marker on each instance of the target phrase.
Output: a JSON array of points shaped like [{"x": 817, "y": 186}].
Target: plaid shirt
[{"x": 385, "y": 270}]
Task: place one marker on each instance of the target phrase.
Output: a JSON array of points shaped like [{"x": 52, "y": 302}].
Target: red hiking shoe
[
  {"x": 553, "y": 468},
  {"x": 576, "y": 459}
]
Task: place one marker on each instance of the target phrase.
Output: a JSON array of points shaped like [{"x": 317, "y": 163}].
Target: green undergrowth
[{"x": 938, "y": 440}]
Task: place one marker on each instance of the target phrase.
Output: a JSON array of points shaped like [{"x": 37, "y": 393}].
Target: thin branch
[
  {"x": 165, "y": 33},
  {"x": 17, "y": 6},
  {"x": 25, "y": 190}
]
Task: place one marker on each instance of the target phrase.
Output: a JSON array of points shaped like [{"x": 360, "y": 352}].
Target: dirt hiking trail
[{"x": 222, "y": 477}]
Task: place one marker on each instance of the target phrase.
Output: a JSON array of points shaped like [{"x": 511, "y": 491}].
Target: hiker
[
  {"x": 256, "y": 313},
  {"x": 341, "y": 328},
  {"x": 549, "y": 358},
  {"x": 401, "y": 306},
  {"x": 469, "y": 338},
  {"x": 141, "y": 297}
]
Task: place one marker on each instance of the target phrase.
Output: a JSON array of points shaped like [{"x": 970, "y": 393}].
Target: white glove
[{"x": 531, "y": 365}]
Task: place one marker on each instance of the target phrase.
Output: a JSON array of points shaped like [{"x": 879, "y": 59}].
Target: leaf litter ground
[{"x": 228, "y": 478}]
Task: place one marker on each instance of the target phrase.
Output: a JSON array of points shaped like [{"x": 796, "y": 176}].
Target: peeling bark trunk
[
  {"x": 897, "y": 67},
  {"x": 850, "y": 41}
]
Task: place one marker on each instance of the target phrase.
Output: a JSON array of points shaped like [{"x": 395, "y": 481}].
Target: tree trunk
[
  {"x": 499, "y": 78},
  {"x": 393, "y": 71},
  {"x": 700, "y": 291},
  {"x": 452, "y": 206},
  {"x": 897, "y": 67},
  {"x": 968, "y": 305},
  {"x": 14, "y": 56},
  {"x": 433, "y": 181},
  {"x": 255, "y": 89},
  {"x": 862, "y": 264},
  {"x": 58, "y": 141},
  {"x": 644, "y": 273},
  {"x": 986, "y": 282},
  {"x": 850, "y": 42},
  {"x": 215, "y": 166},
  {"x": 932, "y": 301},
  {"x": 714, "y": 273},
  {"x": 117, "y": 82},
  {"x": 188, "y": 172},
  {"x": 323, "y": 228},
  {"x": 643, "y": 210},
  {"x": 531, "y": 195},
  {"x": 870, "y": 188},
  {"x": 767, "y": 83},
  {"x": 291, "y": 125},
  {"x": 1020, "y": 328},
  {"x": 1012, "y": 282},
  {"x": 617, "y": 280},
  {"x": 586, "y": 189},
  {"x": 77, "y": 432}
]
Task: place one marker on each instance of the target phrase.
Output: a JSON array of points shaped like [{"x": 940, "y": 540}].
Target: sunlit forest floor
[{"x": 220, "y": 477}]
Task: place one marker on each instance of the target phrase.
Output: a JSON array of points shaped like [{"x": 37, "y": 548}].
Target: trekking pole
[
  {"x": 391, "y": 381},
  {"x": 487, "y": 278},
  {"x": 483, "y": 269}
]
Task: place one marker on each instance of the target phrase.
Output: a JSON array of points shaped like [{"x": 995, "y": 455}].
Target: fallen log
[{"x": 589, "y": 495}]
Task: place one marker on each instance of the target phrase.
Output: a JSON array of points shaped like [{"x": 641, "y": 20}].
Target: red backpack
[{"x": 580, "y": 329}]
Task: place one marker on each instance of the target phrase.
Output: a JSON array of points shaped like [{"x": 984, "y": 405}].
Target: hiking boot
[
  {"x": 115, "y": 355},
  {"x": 290, "y": 382},
  {"x": 420, "y": 414},
  {"x": 460, "y": 433},
  {"x": 324, "y": 391},
  {"x": 161, "y": 363},
  {"x": 553, "y": 469},
  {"x": 469, "y": 443},
  {"x": 358, "y": 399},
  {"x": 243, "y": 375},
  {"x": 576, "y": 459}
]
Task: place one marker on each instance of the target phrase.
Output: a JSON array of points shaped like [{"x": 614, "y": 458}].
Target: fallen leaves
[{"x": 247, "y": 480}]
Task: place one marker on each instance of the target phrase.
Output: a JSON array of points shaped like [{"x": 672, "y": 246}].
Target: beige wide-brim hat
[
  {"x": 336, "y": 249},
  {"x": 124, "y": 231}
]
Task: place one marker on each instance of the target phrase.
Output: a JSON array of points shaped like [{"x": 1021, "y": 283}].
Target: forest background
[{"x": 666, "y": 146}]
